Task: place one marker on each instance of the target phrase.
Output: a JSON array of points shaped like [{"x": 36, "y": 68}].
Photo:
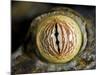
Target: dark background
[{"x": 22, "y": 14}]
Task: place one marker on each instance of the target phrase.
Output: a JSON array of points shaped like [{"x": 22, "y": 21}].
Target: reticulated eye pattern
[{"x": 59, "y": 38}]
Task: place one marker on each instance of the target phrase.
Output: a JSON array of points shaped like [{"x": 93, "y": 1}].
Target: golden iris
[{"x": 60, "y": 35}]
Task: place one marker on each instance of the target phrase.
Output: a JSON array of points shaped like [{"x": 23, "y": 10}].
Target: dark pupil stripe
[
  {"x": 56, "y": 35},
  {"x": 50, "y": 38}
]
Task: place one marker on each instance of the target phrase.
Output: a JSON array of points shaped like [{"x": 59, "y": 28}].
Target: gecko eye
[
  {"x": 59, "y": 35},
  {"x": 52, "y": 37}
]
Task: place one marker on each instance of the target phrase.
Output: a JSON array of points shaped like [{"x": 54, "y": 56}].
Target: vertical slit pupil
[{"x": 56, "y": 35}]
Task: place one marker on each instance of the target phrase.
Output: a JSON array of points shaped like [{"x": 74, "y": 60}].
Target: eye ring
[{"x": 66, "y": 20}]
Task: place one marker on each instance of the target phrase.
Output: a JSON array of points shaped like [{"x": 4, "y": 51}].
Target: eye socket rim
[{"x": 74, "y": 16}]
